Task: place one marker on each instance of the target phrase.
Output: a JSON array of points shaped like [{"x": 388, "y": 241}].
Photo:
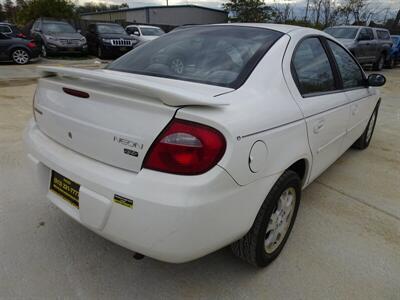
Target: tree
[
  {"x": 10, "y": 10},
  {"x": 248, "y": 10},
  {"x": 2, "y": 15},
  {"x": 58, "y": 9},
  {"x": 396, "y": 20}
]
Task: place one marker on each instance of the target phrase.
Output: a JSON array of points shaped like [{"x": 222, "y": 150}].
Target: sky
[{"x": 385, "y": 8}]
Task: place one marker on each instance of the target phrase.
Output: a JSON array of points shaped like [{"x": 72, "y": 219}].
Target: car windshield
[
  {"x": 395, "y": 40},
  {"x": 343, "y": 32},
  {"x": 58, "y": 28},
  {"x": 151, "y": 31},
  {"x": 217, "y": 55},
  {"x": 112, "y": 28}
]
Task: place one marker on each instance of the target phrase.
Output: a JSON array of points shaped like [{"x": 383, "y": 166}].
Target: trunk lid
[{"x": 122, "y": 117}]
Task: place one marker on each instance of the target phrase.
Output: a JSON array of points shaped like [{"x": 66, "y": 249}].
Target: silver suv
[
  {"x": 58, "y": 37},
  {"x": 368, "y": 45}
]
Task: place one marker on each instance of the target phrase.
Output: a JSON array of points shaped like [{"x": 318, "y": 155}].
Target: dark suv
[
  {"x": 368, "y": 45},
  {"x": 58, "y": 37},
  {"x": 109, "y": 40}
]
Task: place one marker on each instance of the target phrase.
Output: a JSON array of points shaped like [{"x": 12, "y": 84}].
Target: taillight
[
  {"x": 186, "y": 148},
  {"x": 21, "y": 35},
  {"x": 31, "y": 45}
]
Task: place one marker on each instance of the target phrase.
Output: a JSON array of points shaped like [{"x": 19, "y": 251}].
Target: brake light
[
  {"x": 21, "y": 35},
  {"x": 186, "y": 148},
  {"x": 75, "y": 93},
  {"x": 31, "y": 45}
]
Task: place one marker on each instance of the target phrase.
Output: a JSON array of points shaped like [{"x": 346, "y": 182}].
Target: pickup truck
[{"x": 368, "y": 45}]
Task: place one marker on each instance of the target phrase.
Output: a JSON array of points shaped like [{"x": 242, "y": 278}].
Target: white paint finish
[{"x": 171, "y": 221}]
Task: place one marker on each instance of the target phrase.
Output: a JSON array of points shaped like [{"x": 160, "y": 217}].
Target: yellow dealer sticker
[{"x": 123, "y": 201}]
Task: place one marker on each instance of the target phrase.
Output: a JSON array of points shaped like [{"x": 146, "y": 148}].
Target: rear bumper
[{"x": 174, "y": 218}]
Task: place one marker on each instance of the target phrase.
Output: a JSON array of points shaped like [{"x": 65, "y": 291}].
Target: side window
[
  {"x": 366, "y": 34},
  {"x": 383, "y": 35},
  {"x": 5, "y": 29},
  {"x": 370, "y": 33},
  {"x": 351, "y": 73},
  {"x": 313, "y": 70}
]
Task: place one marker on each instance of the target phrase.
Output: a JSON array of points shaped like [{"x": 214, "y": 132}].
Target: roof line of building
[{"x": 147, "y": 7}]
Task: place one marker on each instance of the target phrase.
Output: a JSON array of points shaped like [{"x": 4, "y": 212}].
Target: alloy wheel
[
  {"x": 20, "y": 56},
  {"x": 280, "y": 220}
]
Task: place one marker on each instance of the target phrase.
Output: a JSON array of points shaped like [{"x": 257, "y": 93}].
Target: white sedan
[{"x": 202, "y": 138}]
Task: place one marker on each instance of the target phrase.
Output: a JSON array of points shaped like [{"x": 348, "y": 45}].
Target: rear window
[
  {"x": 217, "y": 55},
  {"x": 383, "y": 35}
]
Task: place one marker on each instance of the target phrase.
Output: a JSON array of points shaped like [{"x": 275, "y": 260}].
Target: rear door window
[
  {"x": 351, "y": 73},
  {"x": 383, "y": 35},
  {"x": 312, "y": 68},
  {"x": 5, "y": 29}
]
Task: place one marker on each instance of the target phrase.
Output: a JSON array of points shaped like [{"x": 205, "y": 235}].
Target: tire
[
  {"x": 380, "y": 63},
  {"x": 100, "y": 53},
  {"x": 44, "y": 50},
  {"x": 391, "y": 64},
  {"x": 365, "y": 139},
  {"x": 257, "y": 246},
  {"x": 20, "y": 56}
]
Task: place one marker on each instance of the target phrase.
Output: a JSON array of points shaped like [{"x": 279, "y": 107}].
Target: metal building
[{"x": 174, "y": 15}]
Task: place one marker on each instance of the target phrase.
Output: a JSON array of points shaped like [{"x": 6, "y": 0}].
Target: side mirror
[
  {"x": 376, "y": 80},
  {"x": 79, "y": 31}
]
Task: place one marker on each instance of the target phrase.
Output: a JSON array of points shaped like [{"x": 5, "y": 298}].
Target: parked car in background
[
  {"x": 177, "y": 163},
  {"x": 20, "y": 51},
  {"x": 58, "y": 37},
  {"x": 11, "y": 30},
  {"x": 394, "y": 58},
  {"x": 144, "y": 33},
  {"x": 109, "y": 40},
  {"x": 368, "y": 45}
]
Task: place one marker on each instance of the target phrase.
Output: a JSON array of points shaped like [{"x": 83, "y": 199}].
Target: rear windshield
[
  {"x": 342, "y": 32},
  {"x": 217, "y": 55},
  {"x": 151, "y": 31}
]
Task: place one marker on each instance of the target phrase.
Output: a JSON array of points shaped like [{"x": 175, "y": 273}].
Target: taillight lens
[
  {"x": 31, "y": 45},
  {"x": 186, "y": 148}
]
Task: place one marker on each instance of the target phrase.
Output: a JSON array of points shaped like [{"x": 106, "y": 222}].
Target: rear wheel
[
  {"x": 380, "y": 63},
  {"x": 391, "y": 63},
  {"x": 273, "y": 224},
  {"x": 365, "y": 139},
  {"x": 20, "y": 56}
]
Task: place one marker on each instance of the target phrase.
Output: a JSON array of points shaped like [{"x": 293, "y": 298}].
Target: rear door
[
  {"x": 324, "y": 106},
  {"x": 4, "y": 45},
  {"x": 365, "y": 45},
  {"x": 359, "y": 95}
]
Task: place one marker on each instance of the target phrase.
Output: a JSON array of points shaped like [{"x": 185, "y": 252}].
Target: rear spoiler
[{"x": 167, "y": 94}]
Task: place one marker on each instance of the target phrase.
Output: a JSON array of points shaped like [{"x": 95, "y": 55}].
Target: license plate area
[{"x": 65, "y": 188}]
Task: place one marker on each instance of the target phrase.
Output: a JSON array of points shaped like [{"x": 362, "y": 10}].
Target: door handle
[
  {"x": 319, "y": 125},
  {"x": 355, "y": 109}
]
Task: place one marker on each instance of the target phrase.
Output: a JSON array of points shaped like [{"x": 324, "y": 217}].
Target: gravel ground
[{"x": 345, "y": 243}]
